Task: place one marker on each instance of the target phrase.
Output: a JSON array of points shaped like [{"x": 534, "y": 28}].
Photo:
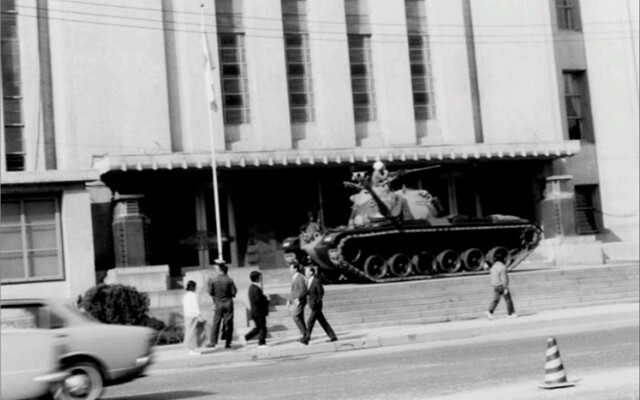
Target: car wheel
[{"x": 83, "y": 383}]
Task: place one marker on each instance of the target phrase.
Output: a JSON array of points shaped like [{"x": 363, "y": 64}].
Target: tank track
[{"x": 525, "y": 248}]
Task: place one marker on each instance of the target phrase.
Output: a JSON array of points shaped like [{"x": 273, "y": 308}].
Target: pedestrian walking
[
  {"x": 193, "y": 321},
  {"x": 500, "y": 283},
  {"x": 315, "y": 293},
  {"x": 259, "y": 304},
  {"x": 222, "y": 290},
  {"x": 298, "y": 299}
]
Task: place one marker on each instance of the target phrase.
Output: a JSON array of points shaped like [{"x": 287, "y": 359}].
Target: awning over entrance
[{"x": 292, "y": 158}]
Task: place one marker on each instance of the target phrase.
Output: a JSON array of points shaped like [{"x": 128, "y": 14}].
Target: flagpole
[{"x": 214, "y": 169}]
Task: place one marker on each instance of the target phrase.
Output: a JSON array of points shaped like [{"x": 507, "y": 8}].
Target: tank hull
[{"x": 392, "y": 252}]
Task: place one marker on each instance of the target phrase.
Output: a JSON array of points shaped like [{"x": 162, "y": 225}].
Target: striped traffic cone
[{"x": 554, "y": 375}]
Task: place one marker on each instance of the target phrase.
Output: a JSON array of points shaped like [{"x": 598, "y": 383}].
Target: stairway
[{"x": 349, "y": 307}]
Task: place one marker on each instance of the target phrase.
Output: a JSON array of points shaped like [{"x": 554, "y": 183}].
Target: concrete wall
[
  {"x": 516, "y": 71},
  {"x": 454, "y": 115},
  {"x": 77, "y": 241},
  {"x": 109, "y": 81},
  {"x": 334, "y": 125},
  {"x": 612, "y": 60}
]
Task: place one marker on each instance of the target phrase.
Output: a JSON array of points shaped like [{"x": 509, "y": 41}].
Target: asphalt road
[{"x": 417, "y": 371}]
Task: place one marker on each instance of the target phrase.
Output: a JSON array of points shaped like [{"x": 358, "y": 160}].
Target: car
[
  {"x": 30, "y": 361},
  {"x": 90, "y": 355}
]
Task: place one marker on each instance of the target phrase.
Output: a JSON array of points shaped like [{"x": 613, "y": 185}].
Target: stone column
[
  {"x": 558, "y": 216},
  {"x": 131, "y": 244},
  {"x": 130, "y": 234}
]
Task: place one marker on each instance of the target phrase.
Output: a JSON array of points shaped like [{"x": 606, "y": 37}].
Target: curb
[{"x": 442, "y": 334}]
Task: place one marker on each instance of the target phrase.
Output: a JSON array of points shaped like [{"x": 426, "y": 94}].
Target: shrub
[
  {"x": 116, "y": 304},
  {"x": 172, "y": 334}
]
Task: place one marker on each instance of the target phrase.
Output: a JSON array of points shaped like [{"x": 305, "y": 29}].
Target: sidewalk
[{"x": 440, "y": 334}]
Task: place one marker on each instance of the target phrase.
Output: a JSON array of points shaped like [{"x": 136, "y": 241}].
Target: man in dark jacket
[
  {"x": 222, "y": 289},
  {"x": 315, "y": 294},
  {"x": 259, "y": 310},
  {"x": 298, "y": 299}
]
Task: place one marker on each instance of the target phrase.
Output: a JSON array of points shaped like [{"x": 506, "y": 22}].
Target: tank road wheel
[
  {"x": 448, "y": 261},
  {"x": 375, "y": 267},
  {"x": 400, "y": 265},
  {"x": 491, "y": 254},
  {"x": 351, "y": 253},
  {"x": 473, "y": 259},
  {"x": 424, "y": 263}
]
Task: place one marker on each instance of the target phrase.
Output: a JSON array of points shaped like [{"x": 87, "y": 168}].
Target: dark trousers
[
  {"x": 318, "y": 315},
  {"x": 497, "y": 292},
  {"x": 298, "y": 318},
  {"x": 224, "y": 315},
  {"x": 260, "y": 328}
]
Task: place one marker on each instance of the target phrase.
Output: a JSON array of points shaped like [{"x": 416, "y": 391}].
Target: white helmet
[{"x": 378, "y": 165}]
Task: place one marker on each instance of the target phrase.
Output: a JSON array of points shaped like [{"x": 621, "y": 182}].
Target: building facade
[{"x": 107, "y": 115}]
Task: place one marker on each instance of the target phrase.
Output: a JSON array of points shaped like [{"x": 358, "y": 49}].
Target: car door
[{"x": 28, "y": 353}]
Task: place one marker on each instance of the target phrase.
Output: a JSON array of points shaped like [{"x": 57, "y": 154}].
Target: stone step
[
  {"x": 436, "y": 300},
  {"x": 473, "y": 292},
  {"x": 574, "y": 297}
]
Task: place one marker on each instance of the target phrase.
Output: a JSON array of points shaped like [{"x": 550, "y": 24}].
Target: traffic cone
[{"x": 554, "y": 375}]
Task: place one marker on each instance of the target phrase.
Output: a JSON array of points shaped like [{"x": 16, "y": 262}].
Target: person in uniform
[{"x": 380, "y": 174}]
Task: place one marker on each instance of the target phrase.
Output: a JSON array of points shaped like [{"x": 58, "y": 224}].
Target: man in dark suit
[
  {"x": 315, "y": 294},
  {"x": 259, "y": 304},
  {"x": 222, "y": 289},
  {"x": 298, "y": 299}
]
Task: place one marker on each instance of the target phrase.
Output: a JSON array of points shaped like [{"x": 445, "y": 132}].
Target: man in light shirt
[
  {"x": 193, "y": 321},
  {"x": 500, "y": 283}
]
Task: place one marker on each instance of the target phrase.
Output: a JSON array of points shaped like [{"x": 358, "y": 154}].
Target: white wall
[
  {"x": 613, "y": 78},
  {"x": 445, "y": 22},
  {"x": 267, "y": 75},
  {"x": 185, "y": 74},
  {"x": 331, "y": 76},
  {"x": 517, "y": 75},
  {"x": 390, "y": 53},
  {"x": 109, "y": 81}
]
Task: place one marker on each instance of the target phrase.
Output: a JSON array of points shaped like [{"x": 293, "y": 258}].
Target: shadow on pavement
[{"x": 175, "y": 395}]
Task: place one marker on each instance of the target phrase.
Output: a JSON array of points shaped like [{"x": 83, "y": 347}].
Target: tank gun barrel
[{"x": 402, "y": 172}]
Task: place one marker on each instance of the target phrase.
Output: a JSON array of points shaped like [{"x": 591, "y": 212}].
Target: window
[
  {"x": 235, "y": 94},
  {"x": 577, "y": 105},
  {"x": 359, "y": 34},
  {"x": 357, "y": 15},
  {"x": 19, "y": 317},
  {"x": 31, "y": 316},
  {"x": 364, "y": 106},
  {"x": 233, "y": 65},
  {"x": 567, "y": 13},
  {"x": 31, "y": 248},
  {"x": 11, "y": 87},
  {"x": 586, "y": 220},
  {"x": 421, "y": 79},
  {"x": 296, "y": 43},
  {"x": 420, "y": 59}
]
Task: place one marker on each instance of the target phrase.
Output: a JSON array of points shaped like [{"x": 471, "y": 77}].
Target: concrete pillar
[
  {"x": 130, "y": 234},
  {"x": 557, "y": 209}
]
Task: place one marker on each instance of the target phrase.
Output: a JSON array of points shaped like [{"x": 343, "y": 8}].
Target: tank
[{"x": 396, "y": 234}]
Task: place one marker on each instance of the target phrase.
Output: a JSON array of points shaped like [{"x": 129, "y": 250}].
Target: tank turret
[{"x": 397, "y": 233}]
